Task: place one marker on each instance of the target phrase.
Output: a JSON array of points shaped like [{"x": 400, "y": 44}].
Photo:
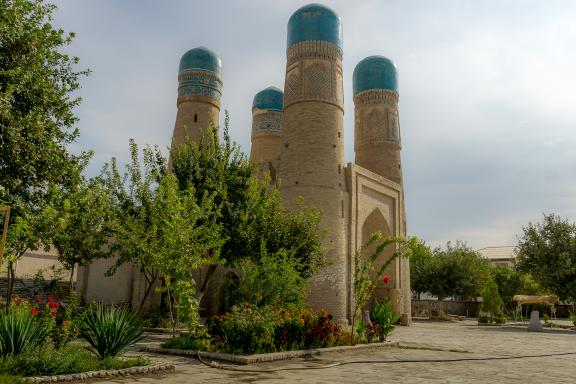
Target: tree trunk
[
  {"x": 204, "y": 287},
  {"x": 71, "y": 281},
  {"x": 11, "y": 276},
  {"x": 149, "y": 284}
]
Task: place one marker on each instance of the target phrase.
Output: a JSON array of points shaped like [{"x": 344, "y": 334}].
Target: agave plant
[
  {"x": 19, "y": 331},
  {"x": 110, "y": 330}
]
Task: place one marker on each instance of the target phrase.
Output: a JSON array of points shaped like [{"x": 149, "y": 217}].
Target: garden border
[
  {"x": 104, "y": 373},
  {"x": 264, "y": 357}
]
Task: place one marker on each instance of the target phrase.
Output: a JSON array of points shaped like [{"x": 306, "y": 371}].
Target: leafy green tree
[
  {"x": 37, "y": 124},
  {"x": 250, "y": 210},
  {"x": 491, "y": 301},
  {"x": 512, "y": 282},
  {"x": 458, "y": 271},
  {"x": 80, "y": 224},
  {"x": 422, "y": 264},
  {"x": 547, "y": 251}
]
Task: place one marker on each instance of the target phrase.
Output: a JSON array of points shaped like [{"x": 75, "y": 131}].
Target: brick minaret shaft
[
  {"x": 312, "y": 158},
  {"x": 199, "y": 92}
]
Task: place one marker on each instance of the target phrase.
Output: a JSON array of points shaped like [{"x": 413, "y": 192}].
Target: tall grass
[
  {"x": 110, "y": 330},
  {"x": 19, "y": 331}
]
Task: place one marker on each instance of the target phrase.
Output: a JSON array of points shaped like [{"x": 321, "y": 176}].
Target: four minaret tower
[{"x": 298, "y": 135}]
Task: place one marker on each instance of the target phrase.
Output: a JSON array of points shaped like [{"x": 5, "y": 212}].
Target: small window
[{"x": 195, "y": 118}]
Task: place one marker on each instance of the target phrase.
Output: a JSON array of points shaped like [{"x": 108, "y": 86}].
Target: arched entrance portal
[{"x": 376, "y": 222}]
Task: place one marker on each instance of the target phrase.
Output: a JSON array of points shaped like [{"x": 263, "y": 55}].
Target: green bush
[
  {"x": 272, "y": 280},
  {"x": 483, "y": 320},
  {"x": 20, "y": 330},
  {"x": 384, "y": 319},
  {"x": 13, "y": 380},
  {"x": 196, "y": 340},
  {"x": 47, "y": 361},
  {"x": 500, "y": 319},
  {"x": 110, "y": 330},
  {"x": 248, "y": 329}
]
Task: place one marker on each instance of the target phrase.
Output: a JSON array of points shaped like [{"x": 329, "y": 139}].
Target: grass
[
  {"x": 47, "y": 361},
  {"x": 12, "y": 380}
]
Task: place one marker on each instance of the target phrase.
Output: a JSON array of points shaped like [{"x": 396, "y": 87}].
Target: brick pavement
[{"x": 480, "y": 342}]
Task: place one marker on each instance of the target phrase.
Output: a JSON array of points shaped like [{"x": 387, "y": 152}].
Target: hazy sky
[{"x": 487, "y": 93}]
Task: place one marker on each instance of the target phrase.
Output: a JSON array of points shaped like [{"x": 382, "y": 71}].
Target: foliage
[
  {"x": 421, "y": 268},
  {"x": 491, "y": 301},
  {"x": 46, "y": 361},
  {"x": 110, "y": 330},
  {"x": 272, "y": 280},
  {"x": 81, "y": 224},
  {"x": 384, "y": 319},
  {"x": 249, "y": 210},
  {"x": 500, "y": 319},
  {"x": 248, "y": 329},
  {"x": 547, "y": 251},
  {"x": 197, "y": 340},
  {"x": 512, "y": 282},
  {"x": 458, "y": 271},
  {"x": 483, "y": 319},
  {"x": 365, "y": 274},
  {"x": 20, "y": 331},
  {"x": 7, "y": 379},
  {"x": 37, "y": 81}
]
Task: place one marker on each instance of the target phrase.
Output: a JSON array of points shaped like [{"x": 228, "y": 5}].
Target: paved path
[{"x": 422, "y": 337}]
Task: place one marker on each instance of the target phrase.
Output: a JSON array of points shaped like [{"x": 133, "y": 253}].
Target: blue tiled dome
[
  {"x": 271, "y": 99},
  {"x": 201, "y": 58},
  {"x": 375, "y": 72},
  {"x": 315, "y": 22}
]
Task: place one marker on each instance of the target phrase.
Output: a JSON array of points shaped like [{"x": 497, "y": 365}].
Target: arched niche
[{"x": 376, "y": 221}]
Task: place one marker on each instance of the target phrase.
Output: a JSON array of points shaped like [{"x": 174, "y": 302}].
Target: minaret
[
  {"x": 377, "y": 145},
  {"x": 376, "y": 124},
  {"x": 199, "y": 91},
  {"x": 312, "y": 159},
  {"x": 267, "y": 129}
]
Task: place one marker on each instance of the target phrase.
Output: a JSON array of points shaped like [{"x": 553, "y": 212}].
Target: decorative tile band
[
  {"x": 200, "y": 83},
  {"x": 377, "y": 96},
  {"x": 313, "y": 49},
  {"x": 267, "y": 122}
]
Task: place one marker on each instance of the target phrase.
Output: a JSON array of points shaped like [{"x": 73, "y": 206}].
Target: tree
[
  {"x": 547, "y": 251},
  {"x": 512, "y": 282},
  {"x": 81, "y": 221},
  {"x": 37, "y": 123},
  {"x": 421, "y": 268},
  {"x": 458, "y": 271},
  {"x": 491, "y": 301},
  {"x": 249, "y": 210}
]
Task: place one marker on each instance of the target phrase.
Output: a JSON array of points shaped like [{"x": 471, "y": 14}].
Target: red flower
[
  {"x": 386, "y": 279},
  {"x": 34, "y": 311},
  {"x": 49, "y": 298},
  {"x": 37, "y": 300},
  {"x": 53, "y": 304}
]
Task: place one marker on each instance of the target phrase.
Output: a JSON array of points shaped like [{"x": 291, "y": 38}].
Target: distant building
[{"x": 500, "y": 255}]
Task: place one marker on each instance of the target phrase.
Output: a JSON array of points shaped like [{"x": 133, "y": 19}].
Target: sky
[{"x": 487, "y": 93}]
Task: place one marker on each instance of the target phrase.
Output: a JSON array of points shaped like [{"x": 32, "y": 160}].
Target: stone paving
[{"x": 421, "y": 338}]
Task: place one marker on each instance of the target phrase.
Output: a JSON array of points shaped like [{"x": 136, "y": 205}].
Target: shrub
[
  {"x": 111, "y": 330},
  {"x": 483, "y": 320},
  {"x": 273, "y": 280},
  {"x": 47, "y": 361},
  {"x": 196, "y": 340},
  {"x": 500, "y": 319},
  {"x": 12, "y": 380},
  {"x": 20, "y": 330},
  {"x": 248, "y": 329},
  {"x": 492, "y": 303},
  {"x": 384, "y": 319}
]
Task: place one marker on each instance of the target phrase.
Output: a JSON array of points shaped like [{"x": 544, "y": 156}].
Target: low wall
[{"x": 435, "y": 308}]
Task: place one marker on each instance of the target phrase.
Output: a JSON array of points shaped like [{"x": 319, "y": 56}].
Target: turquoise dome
[
  {"x": 201, "y": 58},
  {"x": 315, "y": 22},
  {"x": 375, "y": 72},
  {"x": 271, "y": 99}
]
